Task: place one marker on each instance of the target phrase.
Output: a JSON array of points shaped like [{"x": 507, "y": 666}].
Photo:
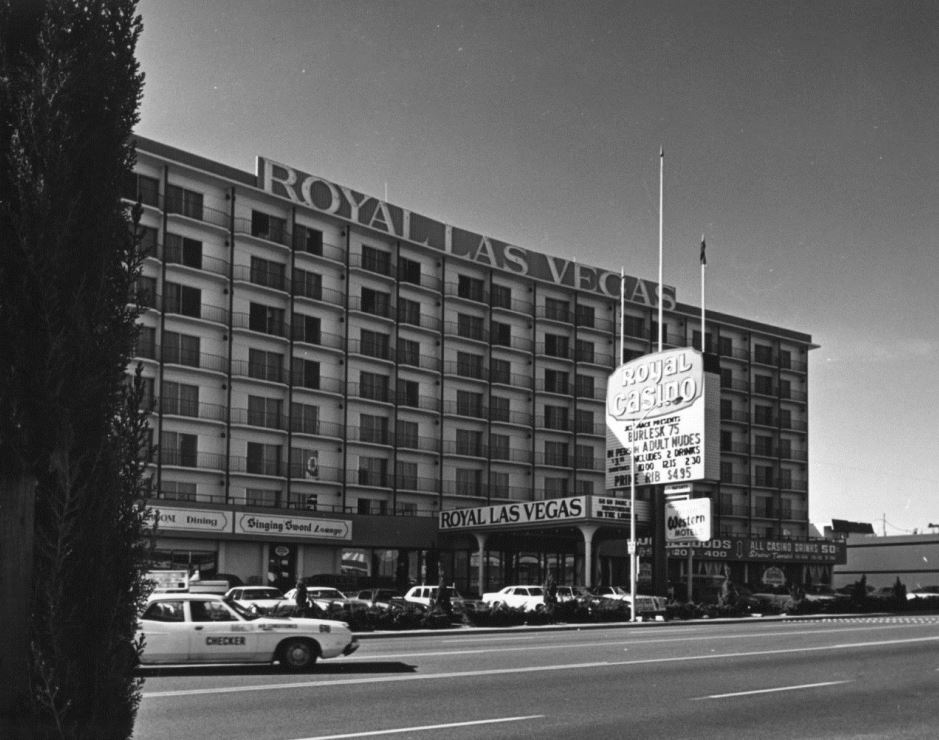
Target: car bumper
[{"x": 351, "y": 647}]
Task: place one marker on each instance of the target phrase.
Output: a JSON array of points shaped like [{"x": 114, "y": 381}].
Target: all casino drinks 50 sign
[{"x": 655, "y": 410}]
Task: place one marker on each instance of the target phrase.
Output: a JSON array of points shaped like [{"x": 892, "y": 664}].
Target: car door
[
  {"x": 219, "y": 635},
  {"x": 166, "y": 632}
]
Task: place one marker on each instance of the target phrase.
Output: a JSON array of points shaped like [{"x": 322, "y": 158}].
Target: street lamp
[{"x": 633, "y": 560}]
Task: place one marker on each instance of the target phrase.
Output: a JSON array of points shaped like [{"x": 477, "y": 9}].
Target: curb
[{"x": 566, "y": 627}]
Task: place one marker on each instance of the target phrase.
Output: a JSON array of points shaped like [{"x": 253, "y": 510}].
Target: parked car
[
  {"x": 528, "y": 598},
  {"x": 821, "y": 593},
  {"x": 205, "y": 628},
  {"x": 423, "y": 595},
  {"x": 324, "y": 596},
  {"x": 376, "y": 596},
  {"x": 609, "y": 592},
  {"x": 923, "y": 592},
  {"x": 572, "y": 593},
  {"x": 261, "y": 598}
]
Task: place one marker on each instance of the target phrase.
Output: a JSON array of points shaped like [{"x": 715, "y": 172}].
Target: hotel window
[
  {"x": 266, "y": 319},
  {"x": 409, "y": 271},
  {"x": 375, "y": 260},
  {"x": 763, "y": 354},
  {"x": 501, "y": 334},
  {"x": 763, "y": 445},
  {"x": 583, "y": 454},
  {"x": 763, "y": 384},
  {"x": 306, "y": 328},
  {"x": 727, "y": 441},
  {"x": 373, "y": 428},
  {"x": 499, "y": 484},
  {"x": 500, "y": 371},
  {"x": 145, "y": 291},
  {"x": 468, "y": 482},
  {"x": 725, "y": 346},
  {"x": 469, "y": 327},
  {"x": 305, "y": 373},
  {"x": 634, "y": 326},
  {"x": 469, "y": 365},
  {"x": 264, "y": 459},
  {"x": 376, "y": 302},
  {"x": 265, "y": 365},
  {"x": 556, "y": 417},
  {"x": 727, "y": 471},
  {"x": 373, "y": 386},
  {"x": 498, "y": 408},
  {"x": 268, "y": 273},
  {"x": 406, "y": 433},
  {"x": 182, "y": 299},
  {"x": 179, "y": 449},
  {"x": 556, "y": 345},
  {"x": 584, "y": 422},
  {"x": 186, "y": 202},
  {"x": 556, "y": 453},
  {"x": 764, "y": 475},
  {"x": 408, "y": 393},
  {"x": 265, "y": 412},
  {"x": 499, "y": 447},
  {"x": 584, "y": 487},
  {"x": 372, "y": 506},
  {"x": 585, "y": 351},
  {"x": 785, "y": 418},
  {"x": 374, "y": 344},
  {"x": 556, "y": 381},
  {"x": 373, "y": 471},
  {"x": 178, "y": 490},
  {"x": 557, "y": 310},
  {"x": 785, "y": 478},
  {"x": 308, "y": 284},
  {"x": 262, "y": 497},
  {"x": 409, "y": 352},
  {"x": 727, "y": 377},
  {"x": 586, "y": 316},
  {"x": 556, "y": 487},
  {"x": 585, "y": 386},
  {"x": 469, "y": 442},
  {"x": 469, "y": 404},
  {"x": 763, "y": 415},
  {"x": 266, "y": 226},
  {"x": 409, "y": 312},
  {"x": 470, "y": 288},
  {"x": 304, "y": 418},
  {"x": 307, "y": 239},
  {"x": 147, "y": 236},
  {"x": 180, "y": 349},
  {"x": 406, "y": 475},
  {"x": 142, "y": 188},
  {"x": 785, "y": 359},
  {"x": 181, "y": 399},
  {"x": 785, "y": 389},
  {"x": 785, "y": 448},
  {"x": 501, "y": 296},
  {"x": 183, "y": 251}
]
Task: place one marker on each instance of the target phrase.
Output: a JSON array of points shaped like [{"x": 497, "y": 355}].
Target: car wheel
[{"x": 298, "y": 655}]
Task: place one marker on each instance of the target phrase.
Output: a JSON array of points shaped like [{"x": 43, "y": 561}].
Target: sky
[{"x": 800, "y": 138}]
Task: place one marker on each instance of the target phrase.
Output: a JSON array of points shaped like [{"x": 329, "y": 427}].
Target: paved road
[{"x": 841, "y": 678}]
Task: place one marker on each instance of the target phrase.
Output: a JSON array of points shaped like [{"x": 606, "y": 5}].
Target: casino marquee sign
[{"x": 337, "y": 200}]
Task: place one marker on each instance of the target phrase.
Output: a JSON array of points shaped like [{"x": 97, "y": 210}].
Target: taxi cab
[{"x": 205, "y": 628}]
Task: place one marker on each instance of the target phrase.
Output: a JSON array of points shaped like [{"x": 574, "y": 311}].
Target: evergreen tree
[{"x": 72, "y": 432}]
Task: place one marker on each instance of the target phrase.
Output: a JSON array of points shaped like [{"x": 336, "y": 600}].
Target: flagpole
[
  {"x": 704, "y": 263},
  {"x": 622, "y": 316},
  {"x": 661, "y": 221}
]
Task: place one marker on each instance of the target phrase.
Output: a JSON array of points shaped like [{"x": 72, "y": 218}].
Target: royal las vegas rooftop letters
[{"x": 327, "y": 197}]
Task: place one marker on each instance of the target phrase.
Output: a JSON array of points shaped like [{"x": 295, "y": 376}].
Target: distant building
[
  {"x": 914, "y": 559},
  {"x": 332, "y": 372}
]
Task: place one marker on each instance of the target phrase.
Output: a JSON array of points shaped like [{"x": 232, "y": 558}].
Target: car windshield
[
  {"x": 324, "y": 593},
  {"x": 261, "y": 593}
]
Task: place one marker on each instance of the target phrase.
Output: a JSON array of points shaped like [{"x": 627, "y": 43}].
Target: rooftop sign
[{"x": 337, "y": 200}]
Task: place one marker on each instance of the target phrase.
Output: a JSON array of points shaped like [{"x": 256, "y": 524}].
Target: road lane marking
[
  {"x": 424, "y": 728},
  {"x": 527, "y": 669},
  {"x": 769, "y": 691}
]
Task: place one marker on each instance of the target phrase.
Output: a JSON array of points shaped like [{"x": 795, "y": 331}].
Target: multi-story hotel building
[{"x": 331, "y": 372}]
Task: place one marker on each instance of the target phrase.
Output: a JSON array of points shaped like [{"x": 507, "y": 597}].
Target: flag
[{"x": 704, "y": 259}]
